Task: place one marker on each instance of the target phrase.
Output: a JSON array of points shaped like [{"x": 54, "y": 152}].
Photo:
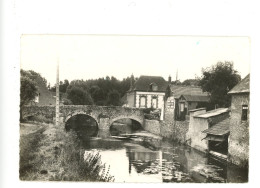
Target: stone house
[
  {"x": 147, "y": 92},
  {"x": 181, "y": 99},
  {"x": 239, "y": 123}
]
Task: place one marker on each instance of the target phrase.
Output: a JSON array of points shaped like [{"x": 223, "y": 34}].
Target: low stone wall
[
  {"x": 172, "y": 130},
  {"x": 152, "y": 126},
  {"x": 167, "y": 129}
]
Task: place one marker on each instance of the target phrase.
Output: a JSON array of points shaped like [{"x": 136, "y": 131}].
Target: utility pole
[{"x": 57, "y": 96}]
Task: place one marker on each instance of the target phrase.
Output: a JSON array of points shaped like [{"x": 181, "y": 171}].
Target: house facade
[
  {"x": 239, "y": 123},
  {"x": 147, "y": 92}
]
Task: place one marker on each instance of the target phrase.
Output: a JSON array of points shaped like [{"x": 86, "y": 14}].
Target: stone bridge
[{"x": 104, "y": 115}]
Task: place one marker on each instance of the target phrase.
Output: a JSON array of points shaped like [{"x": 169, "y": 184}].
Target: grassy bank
[{"x": 49, "y": 153}]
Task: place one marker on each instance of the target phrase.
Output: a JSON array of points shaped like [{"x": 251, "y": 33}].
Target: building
[
  {"x": 239, "y": 123},
  {"x": 147, "y": 92},
  {"x": 224, "y": 132},
  {"x": 208, "y": 131},
  {"x": 182, "y": 99}
]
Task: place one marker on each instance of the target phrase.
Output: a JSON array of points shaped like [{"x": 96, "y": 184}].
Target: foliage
[
  {"x": 78, "y": 96},
  {"x": 94, "y": 170},
  {"x": 102, "y": 89},
  {"x": 97, "y": 93},
  {"x": 152, "y": 114},
  {"x": 49, "y": 153},
  {"x": 28, "y": 90},
  {"x": 36, "y": 77},
  {"x": 113, "y": 98},
  {"x": 190, "y": 82},
  {"x": 218, "y": 80},
  {"x": 62, "y": 86}
]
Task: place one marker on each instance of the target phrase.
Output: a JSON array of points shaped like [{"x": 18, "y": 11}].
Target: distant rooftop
[
  {"x": 179, "y": 90},
  {"x": 196, "y": 98},
  {"x": 242, "y": 87},
  {"x": 144, "y": 82},
  {"x": 213, "y": 113}
]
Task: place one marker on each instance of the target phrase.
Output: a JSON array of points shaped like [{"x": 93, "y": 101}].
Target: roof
[
  {"x": 242, "y": 87},
  {"x": 178, "y": 90},
  {"x": 196, "y": 98},
  {"x": 144, "y": 82},
  {"x": 213, "y": 113},
  {"x": 221, "y": 128}
]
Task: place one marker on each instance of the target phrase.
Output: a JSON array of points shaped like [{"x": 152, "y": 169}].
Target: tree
[
  {"x": 218, "y": 80},
  {"x": 28, "y": 90},
  {"x": 113, "y": 98},
  {"x": 97, "y": 94},
  {"x": 78, "y": 96},
  {"x": 190, "y": 82},
  {"x": 62, "y": 86}
]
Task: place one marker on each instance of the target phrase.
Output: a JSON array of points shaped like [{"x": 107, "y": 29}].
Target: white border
[{"x": 143, "y": 17}]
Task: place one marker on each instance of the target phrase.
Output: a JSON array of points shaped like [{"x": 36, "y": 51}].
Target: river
[{"x": 131, "y": 161}]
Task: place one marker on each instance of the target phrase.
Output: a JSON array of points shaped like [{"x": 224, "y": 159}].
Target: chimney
[{"x": 170, "y": 79}]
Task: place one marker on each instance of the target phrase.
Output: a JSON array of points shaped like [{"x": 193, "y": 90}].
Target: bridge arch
[
  {"x": 124, "y": 117},
  {"x": 80, "y": 113}
]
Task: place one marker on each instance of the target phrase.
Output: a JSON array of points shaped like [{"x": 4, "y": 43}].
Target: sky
[{"x": 95, "y": 56}]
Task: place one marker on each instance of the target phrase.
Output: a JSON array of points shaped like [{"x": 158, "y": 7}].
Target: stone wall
[
  {"x": 152, "y": 126},
  {"x": 194, "y": 135},
  {"x": 181, "y": 128},
  {"x": 45, "y": 111},
  {"x": 238, "y": 146}
]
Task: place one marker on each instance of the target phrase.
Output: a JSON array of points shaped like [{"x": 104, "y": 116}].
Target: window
[
  {"x": 143, "y": 101},
  {"x": 182, "y": 106},
  {"x": 154, "y": 102},
  {"x": 153, "y": 87},
  {"x": 244, "y": 112}
]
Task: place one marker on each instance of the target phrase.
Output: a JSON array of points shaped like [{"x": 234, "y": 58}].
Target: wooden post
[{"x": 57, "y": 96}]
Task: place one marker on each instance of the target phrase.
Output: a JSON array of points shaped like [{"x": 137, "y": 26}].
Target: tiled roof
[
  {"x": 178, "y": 90},
  {"x": 221, "y": 128},
  {"x": 196, "y": 98},
  {"x": 242, "y": 87},
  {"x": 144, "y": 82}
]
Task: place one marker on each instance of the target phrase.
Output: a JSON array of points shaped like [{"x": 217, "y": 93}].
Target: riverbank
[{"x": 49, "y": 153}]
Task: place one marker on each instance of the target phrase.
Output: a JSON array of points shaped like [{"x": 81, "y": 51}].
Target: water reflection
[{"x": 132, "y": 162}]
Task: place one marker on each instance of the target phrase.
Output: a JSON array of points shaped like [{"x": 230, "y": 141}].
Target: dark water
[{"x": 130, "y": 161}]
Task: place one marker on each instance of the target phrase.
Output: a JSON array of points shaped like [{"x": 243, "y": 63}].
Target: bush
[{"x": 152, "y": 114}]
